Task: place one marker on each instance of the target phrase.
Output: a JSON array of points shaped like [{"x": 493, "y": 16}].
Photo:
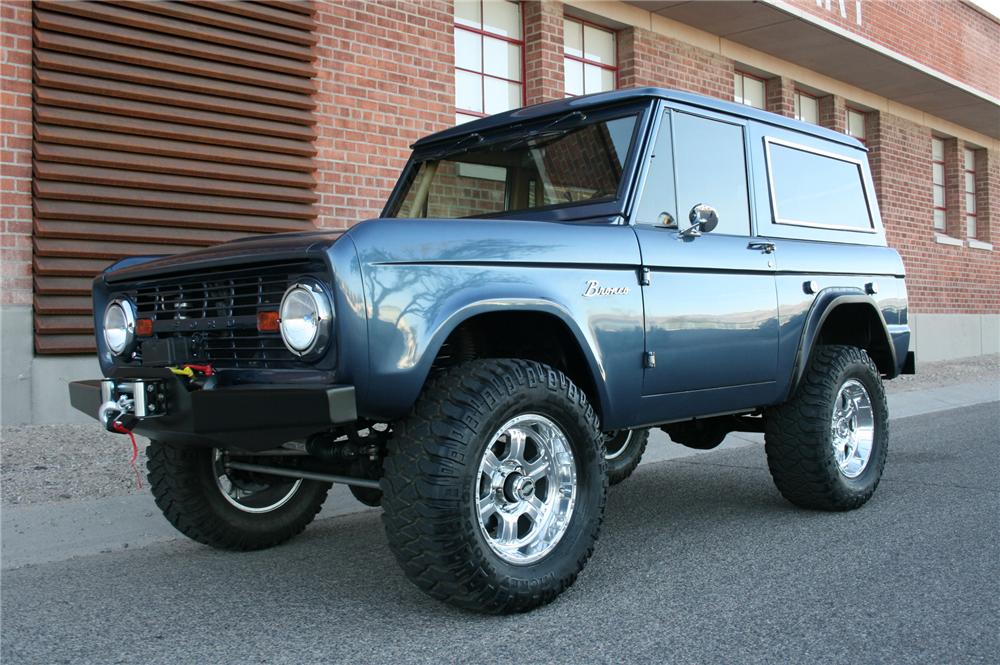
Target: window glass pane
[
  {"x": 816, "y": 189},
  {"x": 970, "y": 203},
  {"x": 599, "y": 45},
  {"x": 658, "y": 193},
  {"x": 502, "y": 59},
  {"x": 500, "y": 95},
  {"x": 937, "y": 173},
  {"x": 574, "y": 76},
  {"x": 468, "y": 52},
  {"x": 468, "y": 91},
  {"x": 939, "y": 220},
  {"x": 939, "y": 196},
  {"x": 970, "y": 160},
  {"x": 970, "y": 182},
  {"x": 467, "y": 13},
  {"x": 753, "y": 92},
  {"x": 796, "y": 110},
  {"x": 808, "y": 109},
  {"x": 502, "y": 17},
  {"x": 462, "y": 117},
  {"x": 937, "y": 149},
  {"x": 714, "y": 170},
  {"x": 856, "y": 124},
  {"x": 573, "y": 37},
  {"x": 592, "y": 78},
  {"x": 738, "y": 88},
  {"x": 607, "y": 79},
  {"x": 970, "y": 227}
]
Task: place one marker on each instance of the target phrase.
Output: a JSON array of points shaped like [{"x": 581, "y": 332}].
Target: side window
[
  {"x": 711, "y": 166},
  {"x": 658, "y": 198},
  {"x": 812, "y": 189}
]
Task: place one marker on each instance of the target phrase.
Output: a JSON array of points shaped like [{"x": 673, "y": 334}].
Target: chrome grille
[{"x": 216, "y": 313}]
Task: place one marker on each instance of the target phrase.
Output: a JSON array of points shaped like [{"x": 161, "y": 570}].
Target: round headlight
[
  {"x": 306, "y": 316},
  {"x": 119, "y": 326}
]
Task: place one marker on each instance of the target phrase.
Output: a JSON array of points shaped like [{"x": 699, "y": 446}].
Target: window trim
[
  {"x": 756, "y": 78},
  {"x": 586, "y": 61},
  {"x": 520, "y": 43},
  {"x": 776, "y": 217},
  {"x": 848, "y": 109},
  {"x": 974, "y": 192},
  {"x": 799, "y": 92},
  {"x": 943, "y": 185}
]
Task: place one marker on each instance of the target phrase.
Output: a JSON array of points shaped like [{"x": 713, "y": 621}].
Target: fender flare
[{"x": 825, "y": 303}]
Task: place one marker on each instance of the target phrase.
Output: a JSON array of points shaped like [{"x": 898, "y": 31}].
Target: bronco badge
[{"x": 594, "y": 288}]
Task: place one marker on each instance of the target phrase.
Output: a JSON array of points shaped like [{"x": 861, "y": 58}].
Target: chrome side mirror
[{"x": 703, "y": 218}]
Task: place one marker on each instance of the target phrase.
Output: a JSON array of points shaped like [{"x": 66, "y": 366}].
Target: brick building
[{"x": 138, "y": 128}]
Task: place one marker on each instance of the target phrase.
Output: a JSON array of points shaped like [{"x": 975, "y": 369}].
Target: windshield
[{"x": 553, "y": 167}]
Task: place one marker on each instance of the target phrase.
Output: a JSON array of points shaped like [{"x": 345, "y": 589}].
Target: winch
[{"x": 124, "y": 402}]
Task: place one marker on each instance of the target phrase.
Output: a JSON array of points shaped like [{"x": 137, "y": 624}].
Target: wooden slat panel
[
  {"x": 258, "y": 11},
  {"x": 117, "y": 91},
  {"x": 174, "y": 114},
  {"x": 168, "y": 148},
  {"x": 82, "y": 211},
  {"x": 159, "y": 128},
  {"x": 158, "y": 164},
  {"x": 144, "y": 57},
  {"x": 120, "y": 71},
  {"x": 195, "y": 14},
  {"x": 171, "y": 183},
  {"x": 172, "y": 201},
  {"x": 169, "y": 130}
]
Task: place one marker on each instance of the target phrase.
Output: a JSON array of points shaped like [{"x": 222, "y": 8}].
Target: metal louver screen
[{"x": 159, "y": 127}]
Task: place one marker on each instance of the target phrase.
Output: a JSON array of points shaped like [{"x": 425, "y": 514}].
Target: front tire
[
  {"x": 826, "y": 447},
  {"x": 229, "y": 511},
  {"x": 494, "y": 488}
]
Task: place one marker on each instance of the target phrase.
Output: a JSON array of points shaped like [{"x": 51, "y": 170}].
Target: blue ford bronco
[{"x": 482, "y": 360}]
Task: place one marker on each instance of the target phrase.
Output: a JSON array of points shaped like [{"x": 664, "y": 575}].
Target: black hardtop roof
[{"x": 614, "y": 97}]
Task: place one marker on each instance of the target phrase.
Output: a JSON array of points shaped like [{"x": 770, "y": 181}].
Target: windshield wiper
[
  {"x": 549, "y": 130},
  {"x": 458, "y": 147}
]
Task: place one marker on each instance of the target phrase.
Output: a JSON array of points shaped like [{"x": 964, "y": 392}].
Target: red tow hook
[
  {"x": 204, "y": 369},
  {"x": 121, "y": 429}
]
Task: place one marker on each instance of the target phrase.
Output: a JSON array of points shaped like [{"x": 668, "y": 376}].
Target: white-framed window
[
  {"x": 806, "y": 107},
  {"x": 748, "y": 89},
  {"x": 937, "y": 178},
  {"x": 489, "y": 58},
  {"x": 855, "y": 124},
  {"x": 590, "y": 58},
  {"x": 969, "y": 169}
]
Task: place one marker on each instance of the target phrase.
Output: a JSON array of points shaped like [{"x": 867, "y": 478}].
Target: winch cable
[{"x": 121, "y": 429}]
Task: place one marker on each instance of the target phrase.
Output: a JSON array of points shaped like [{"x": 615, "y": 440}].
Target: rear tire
[
  {"x": 494, "y": 488},
  {"x": 826, "y": 447},
  {"x": 188, "y": 490},
  {"x": 623, "y": 451}
]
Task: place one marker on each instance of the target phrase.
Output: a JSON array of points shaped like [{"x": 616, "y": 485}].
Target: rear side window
[{"x": 812, "y": 188}]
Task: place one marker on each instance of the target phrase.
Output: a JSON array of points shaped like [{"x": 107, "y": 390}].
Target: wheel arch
[{"x": 845, "y": 316}]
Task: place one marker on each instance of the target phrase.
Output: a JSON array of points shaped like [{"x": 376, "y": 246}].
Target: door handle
[{"x": 766, "y": 247}]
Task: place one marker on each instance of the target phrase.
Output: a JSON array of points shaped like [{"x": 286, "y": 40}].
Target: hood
[{"x": 254, "y": 249}]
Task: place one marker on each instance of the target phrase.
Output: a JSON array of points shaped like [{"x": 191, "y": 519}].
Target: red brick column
[
  {"x": 988, "y": 196},
  {"x": 833, "y": 113},
  {"x": 650, "y": 59},
  {"x": 954, "y": 188},
  {"x": 780, "y": 94},
  {"x": 385, "y": 77},
  {"x": 543, "y": 51},
  {"x": 15, "y": 153}
]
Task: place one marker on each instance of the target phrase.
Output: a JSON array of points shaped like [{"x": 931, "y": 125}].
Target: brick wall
[
  {"x": 947, "y": 35},
  {"x": 543, "y": 51},
  {"x": 941, "y": 278},
  {"x": 386, "y": 78},
  {"x": 649, "y": 59},
  {"x": 780, "y": 96},
  {"x": 15, "y": 152}
]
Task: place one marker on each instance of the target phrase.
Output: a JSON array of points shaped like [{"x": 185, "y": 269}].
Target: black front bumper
[{"x": 255, "y": 417}]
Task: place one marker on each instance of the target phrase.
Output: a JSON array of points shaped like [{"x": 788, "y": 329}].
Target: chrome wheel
[
  {"x": 526, "y": 488},
  {"x": 245, "y": 492},
  {"x": 853, "y": 428},
  {"x": 616, "y": 443}
]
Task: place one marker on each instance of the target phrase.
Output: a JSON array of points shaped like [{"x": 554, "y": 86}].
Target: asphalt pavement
[{"x": 700, "y": 560}]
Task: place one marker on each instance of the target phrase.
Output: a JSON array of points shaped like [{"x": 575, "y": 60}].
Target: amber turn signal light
[
  {"x": 144, "y": 328},
  {"x": 268, "y": 322}
]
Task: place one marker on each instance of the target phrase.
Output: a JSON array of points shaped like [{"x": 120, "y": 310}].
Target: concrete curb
[{"x": 44, "y": 533}]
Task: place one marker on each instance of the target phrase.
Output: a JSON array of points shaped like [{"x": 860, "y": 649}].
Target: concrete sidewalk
[{"x": 46, "y": 532}]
